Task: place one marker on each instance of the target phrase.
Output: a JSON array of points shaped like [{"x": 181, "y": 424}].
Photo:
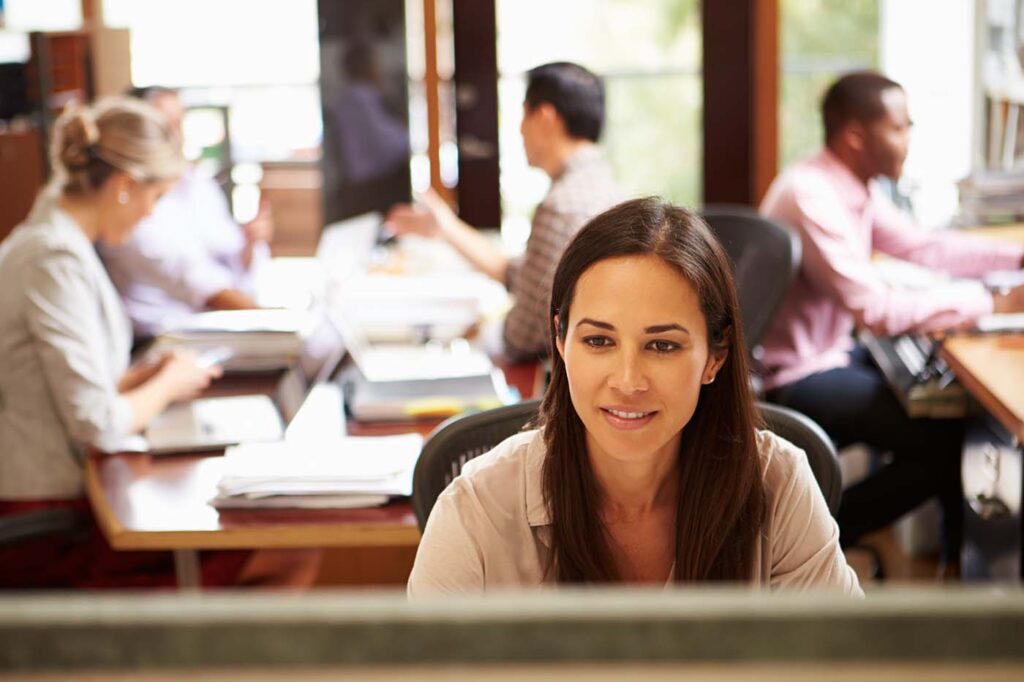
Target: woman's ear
[
  {"x": 118, "y": 186},
  {"x": 559, "y": 343},
  {"x": 716, "y": 358}
]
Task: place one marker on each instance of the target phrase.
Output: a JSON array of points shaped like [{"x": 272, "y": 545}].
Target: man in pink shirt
[{"x": 812, "y": 361}]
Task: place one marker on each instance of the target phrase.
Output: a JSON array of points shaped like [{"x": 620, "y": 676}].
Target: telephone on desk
[{"x": 922, "y": 381}]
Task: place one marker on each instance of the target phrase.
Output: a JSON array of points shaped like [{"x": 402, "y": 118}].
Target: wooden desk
[
  {"x": 1012, "y": 232},
  {"x": 144, "y": 502},
  {"x": 992, "y": 369}
]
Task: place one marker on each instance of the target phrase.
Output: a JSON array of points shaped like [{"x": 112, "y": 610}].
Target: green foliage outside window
[
  {"x": 818, "y": 41},
  {"x": 650, "y": 54}
]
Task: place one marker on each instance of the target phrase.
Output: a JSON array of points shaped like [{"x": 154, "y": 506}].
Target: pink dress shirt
[{"x": 841, "y": 222}]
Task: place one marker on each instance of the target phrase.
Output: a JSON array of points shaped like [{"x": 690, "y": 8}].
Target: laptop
[
  {"x": 213, "y": 423},
  {"x": 348, "y": 245}
]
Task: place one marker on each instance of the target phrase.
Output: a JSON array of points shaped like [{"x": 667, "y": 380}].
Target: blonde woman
[{"x": 65, "y": 381}]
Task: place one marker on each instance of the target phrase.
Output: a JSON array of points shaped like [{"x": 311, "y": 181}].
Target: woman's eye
[
  {"x": 664, "y": 346},
  {"x": 597, "y": 341}
]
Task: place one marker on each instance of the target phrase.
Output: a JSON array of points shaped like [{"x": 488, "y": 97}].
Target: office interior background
[
  {"x": 705, "y": 105},
  {"x": 253, "y": 87}
]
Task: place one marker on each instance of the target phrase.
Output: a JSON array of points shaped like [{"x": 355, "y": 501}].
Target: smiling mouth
[{"x": 627, "y": 415}]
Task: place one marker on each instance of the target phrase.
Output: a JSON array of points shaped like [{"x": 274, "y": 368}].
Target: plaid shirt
[{"x": 584, "y": 188}]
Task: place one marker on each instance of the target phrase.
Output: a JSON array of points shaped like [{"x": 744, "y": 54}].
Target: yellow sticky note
[{"x": 434, "y": 407}]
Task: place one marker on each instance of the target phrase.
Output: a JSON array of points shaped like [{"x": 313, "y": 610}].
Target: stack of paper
[
  {"x": 340, "y": 473},
  {"x": 258, "y": 339},
  {"x": 991, "y": 197},
  {"x": 425, "y": 398},
  {"x": 1001, "y": 323}
]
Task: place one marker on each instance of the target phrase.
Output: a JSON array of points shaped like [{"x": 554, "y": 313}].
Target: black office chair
[
  {"x": 30, "y": 529},
  {"x": 40, "y": 523},
  {"x": 765, "y": 258},
  {"x": 461, "y": 439},
  {"x": 803, "y": 432},
  {"x": 458, "y": 440}
]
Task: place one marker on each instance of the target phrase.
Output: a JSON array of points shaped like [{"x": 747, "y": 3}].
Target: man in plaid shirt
[{"x": 563, "y": 114}]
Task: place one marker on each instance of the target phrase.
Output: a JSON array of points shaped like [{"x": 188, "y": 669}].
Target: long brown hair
[{"x": 721, "y": 506}]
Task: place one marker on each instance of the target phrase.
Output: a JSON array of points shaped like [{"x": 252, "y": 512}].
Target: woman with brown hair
[{"x": 648, "y": 467}]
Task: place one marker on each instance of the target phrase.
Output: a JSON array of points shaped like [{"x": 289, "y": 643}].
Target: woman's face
[
  {"x": 131, "y": 202},
  {"x": 636, "y": 354}
]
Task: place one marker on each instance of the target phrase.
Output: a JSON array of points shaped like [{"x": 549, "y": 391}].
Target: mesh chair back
[
  {"x": 804, "y": 433},
  {"x": 765, "y": 258},
  {"x": 39, "y": 523},
  {"x": 463, "y": 438},
  {"x": 457, "y": 441}
]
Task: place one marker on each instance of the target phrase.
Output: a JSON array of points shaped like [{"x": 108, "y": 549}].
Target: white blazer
[{"x": 64, "y": 343}]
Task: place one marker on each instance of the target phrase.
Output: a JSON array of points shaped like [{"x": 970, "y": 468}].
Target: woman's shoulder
[
  {"x": 781, "y": 461},
  {"x": 787, "y": 473},
  {"x": 499, "y": 478},
  {"x": 480, "y": 533},
  {"x": 504, "y": 463},
  {"x": 41, "y": 236},
  {"x": 37, "y": 256},
  {"x": 30, "y": 247}
]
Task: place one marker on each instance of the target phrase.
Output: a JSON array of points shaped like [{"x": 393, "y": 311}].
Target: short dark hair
[
  {"x": 856, "y": 96},
  {"x": 575, "y": 93}
]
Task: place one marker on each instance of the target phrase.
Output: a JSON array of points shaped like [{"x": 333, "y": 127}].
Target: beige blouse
[{"x": 491, "y": 529}]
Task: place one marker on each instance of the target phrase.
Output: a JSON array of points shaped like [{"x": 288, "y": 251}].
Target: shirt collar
[
  {"x": 537, "y": 513},
  {"x": 584, "y": 156},
  {"x": 856, "y": 193}
]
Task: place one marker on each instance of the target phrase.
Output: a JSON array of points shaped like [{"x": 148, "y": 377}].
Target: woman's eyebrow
[
  {"x": 596, "y": 323},
  {"x": 660, "y": 328},
  {"x": 653, "y": 329}
]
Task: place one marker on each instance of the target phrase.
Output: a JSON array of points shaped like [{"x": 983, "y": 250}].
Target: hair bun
[{"x": 79, "y": 137}]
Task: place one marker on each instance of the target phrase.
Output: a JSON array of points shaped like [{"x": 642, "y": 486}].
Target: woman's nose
[{"x": 629, "y": 376}]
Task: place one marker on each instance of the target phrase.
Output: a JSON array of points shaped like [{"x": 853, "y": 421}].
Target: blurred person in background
[{"x": 190, "y": 254}]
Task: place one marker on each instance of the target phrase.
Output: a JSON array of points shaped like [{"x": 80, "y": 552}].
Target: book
[{"x": 258, "y": 340}]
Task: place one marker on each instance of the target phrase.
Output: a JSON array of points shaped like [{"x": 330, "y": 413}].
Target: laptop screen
[
  {"x": 349, "y": 242},
  {"x": 322, "y": 350}
]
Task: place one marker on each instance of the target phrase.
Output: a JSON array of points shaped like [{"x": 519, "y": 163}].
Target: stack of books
[
  {"x": 990, "y": 197},
  {"x": 263, "y": 339}
]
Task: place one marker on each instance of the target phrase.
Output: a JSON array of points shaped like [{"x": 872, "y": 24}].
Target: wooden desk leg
[{"x": 186, "y": 568}]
